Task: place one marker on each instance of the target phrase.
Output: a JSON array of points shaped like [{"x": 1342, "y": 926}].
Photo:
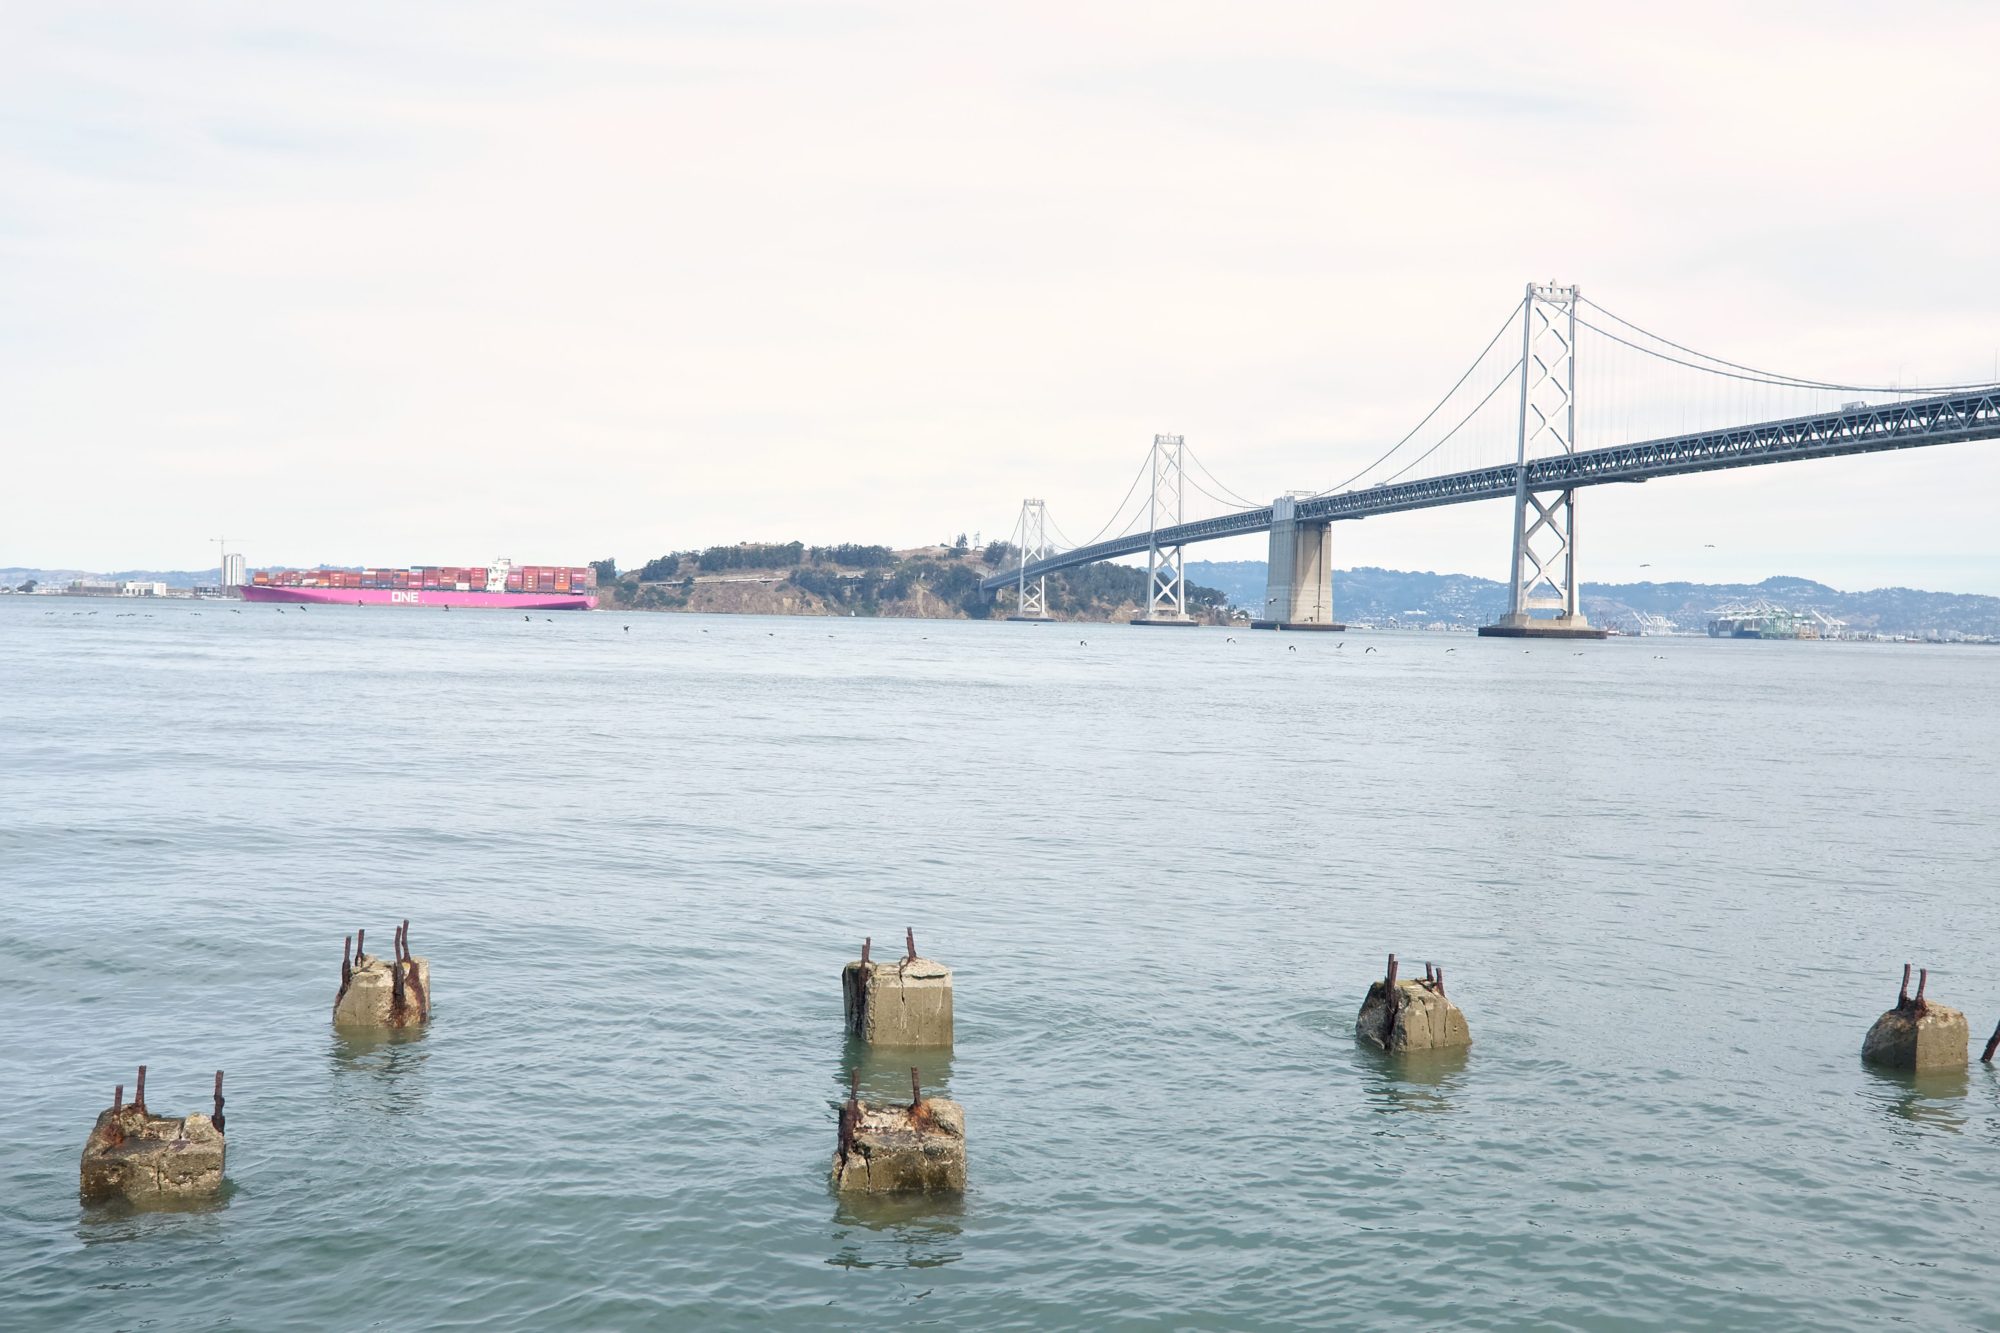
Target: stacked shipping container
[{"x": 520, "y": 578}]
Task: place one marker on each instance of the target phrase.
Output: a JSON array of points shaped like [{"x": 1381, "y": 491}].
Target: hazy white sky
[{"x": 389, "y": 283}]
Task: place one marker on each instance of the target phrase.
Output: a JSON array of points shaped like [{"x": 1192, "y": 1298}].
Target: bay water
[{"x": 1671, "y": 881}]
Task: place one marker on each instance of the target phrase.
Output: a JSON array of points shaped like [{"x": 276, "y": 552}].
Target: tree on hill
[{"x": 659, "y": 569}]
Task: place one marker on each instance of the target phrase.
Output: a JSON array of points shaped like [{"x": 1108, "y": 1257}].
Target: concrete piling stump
[
  {"x": 1411, "y": 1015},
  {"x": 886, "y": 1148},
  {"x": 152, "y": 1159},
  {"x": 375, "y": 993},
  {"x": 1919, "y": 1035},
  {"x": 903, "y": 1003}
]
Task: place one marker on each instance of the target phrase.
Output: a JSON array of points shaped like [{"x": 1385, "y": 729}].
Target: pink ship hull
[{"x": 505, "y": 601}]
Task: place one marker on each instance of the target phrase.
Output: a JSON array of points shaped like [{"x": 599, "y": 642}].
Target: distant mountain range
[
  {"x": 1378, "y": 595},
  {"x": 13, "y": 576}
]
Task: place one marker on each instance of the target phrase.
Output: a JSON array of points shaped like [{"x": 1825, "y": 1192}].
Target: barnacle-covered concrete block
[
  {"x": 383, "y": 992},
  {"x": 1422, "y": 1018},
  {"x": 1920, "y": 1039},
  {"x": 901, "y": 1149},
  {"x": 151, "y": 1159},
  {"x": 902, "y": 1003},
  {"x": 370, "y": 997}
]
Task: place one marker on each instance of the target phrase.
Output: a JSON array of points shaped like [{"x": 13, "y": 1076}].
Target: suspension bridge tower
[
  {"x": 1032, "y": 595},
  {"x": 1166, "y": 583},
  {"x": 1543, "y": 577}
]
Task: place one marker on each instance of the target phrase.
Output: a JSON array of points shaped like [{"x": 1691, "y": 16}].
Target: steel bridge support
[
  {"x": 1545, "y": 543},
  {"x": 1032, "y": 595},
  {"x": 1298, "y": 579},
  {"x": 1166, "y": 584}
]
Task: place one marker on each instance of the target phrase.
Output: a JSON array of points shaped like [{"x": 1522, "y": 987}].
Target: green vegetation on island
[{"x": 791, "y": 578}]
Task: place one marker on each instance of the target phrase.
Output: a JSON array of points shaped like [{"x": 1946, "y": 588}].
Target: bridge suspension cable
[
  {"x": 1506, "y": 378},
  {"x": 1232, "y": 505},
  {"x": 1736, "y": 370},
  {"x": 1499, "y": 333},
  {"x": 1130, "y": 491},
  {"x": 1206, "y": 471}
]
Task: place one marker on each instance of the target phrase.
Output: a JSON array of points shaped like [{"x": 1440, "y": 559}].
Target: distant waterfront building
[{"x": 233, "y": 571}]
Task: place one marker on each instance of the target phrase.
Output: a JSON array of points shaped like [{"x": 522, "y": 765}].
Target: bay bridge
[{"x": 1547, "y": 468}]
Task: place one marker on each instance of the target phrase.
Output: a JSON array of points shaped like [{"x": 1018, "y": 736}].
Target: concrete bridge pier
[{"x": 1298, "y": 579}]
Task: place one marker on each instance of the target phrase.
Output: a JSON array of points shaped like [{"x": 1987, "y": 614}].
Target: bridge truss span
[{"x": 1855, "y": 429}]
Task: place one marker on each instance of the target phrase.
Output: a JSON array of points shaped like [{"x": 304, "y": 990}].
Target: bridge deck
[{"x": 1907, "y": 425}]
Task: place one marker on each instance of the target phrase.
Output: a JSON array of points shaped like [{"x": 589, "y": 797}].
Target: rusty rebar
[
  {"x": 346, "y": 973},
  {"x": 1389, "y": 998},
  {"x": 217, "y": 1116},
  {"x": 118, "y": 1099},
  {"x": 850, "y": 1114},
  {"x": 910, "y": 943},
  {"x": 1440, "y": 983},
  {"x": 1903, "y": 991},
  {"x": 360, "y": 943},
  {"x": 139, "y": 1092},
  {"x": 1992, "y": 1043},
  {"x": 397, "y": 1003},
  {"x": 916, "y": 1088},
  {"x": 423, "y": 1001},
  {"x": 1429, "y": 975},
  {"x": 407, "y": 955},
  {"x": 857, "y": 1017},
  {"x": 1923, "y": 977}
]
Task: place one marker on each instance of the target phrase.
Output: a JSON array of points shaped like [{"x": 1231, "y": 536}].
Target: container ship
[
  {"x": 501, "y": 584},
  {"x": 1761, "y": 620}
]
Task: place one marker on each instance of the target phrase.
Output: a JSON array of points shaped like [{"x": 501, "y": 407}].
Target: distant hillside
[
  {"x": 14, "y": 576},
  {"x": 1381, "y": 595},
  {"x": 937, "y": 582}
]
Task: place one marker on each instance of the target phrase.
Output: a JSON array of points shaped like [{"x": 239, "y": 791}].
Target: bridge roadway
[{"x": 1863, "y": 430}]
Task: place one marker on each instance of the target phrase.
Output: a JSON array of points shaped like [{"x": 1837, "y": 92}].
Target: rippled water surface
[{"x": 1672, "y": 882}]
